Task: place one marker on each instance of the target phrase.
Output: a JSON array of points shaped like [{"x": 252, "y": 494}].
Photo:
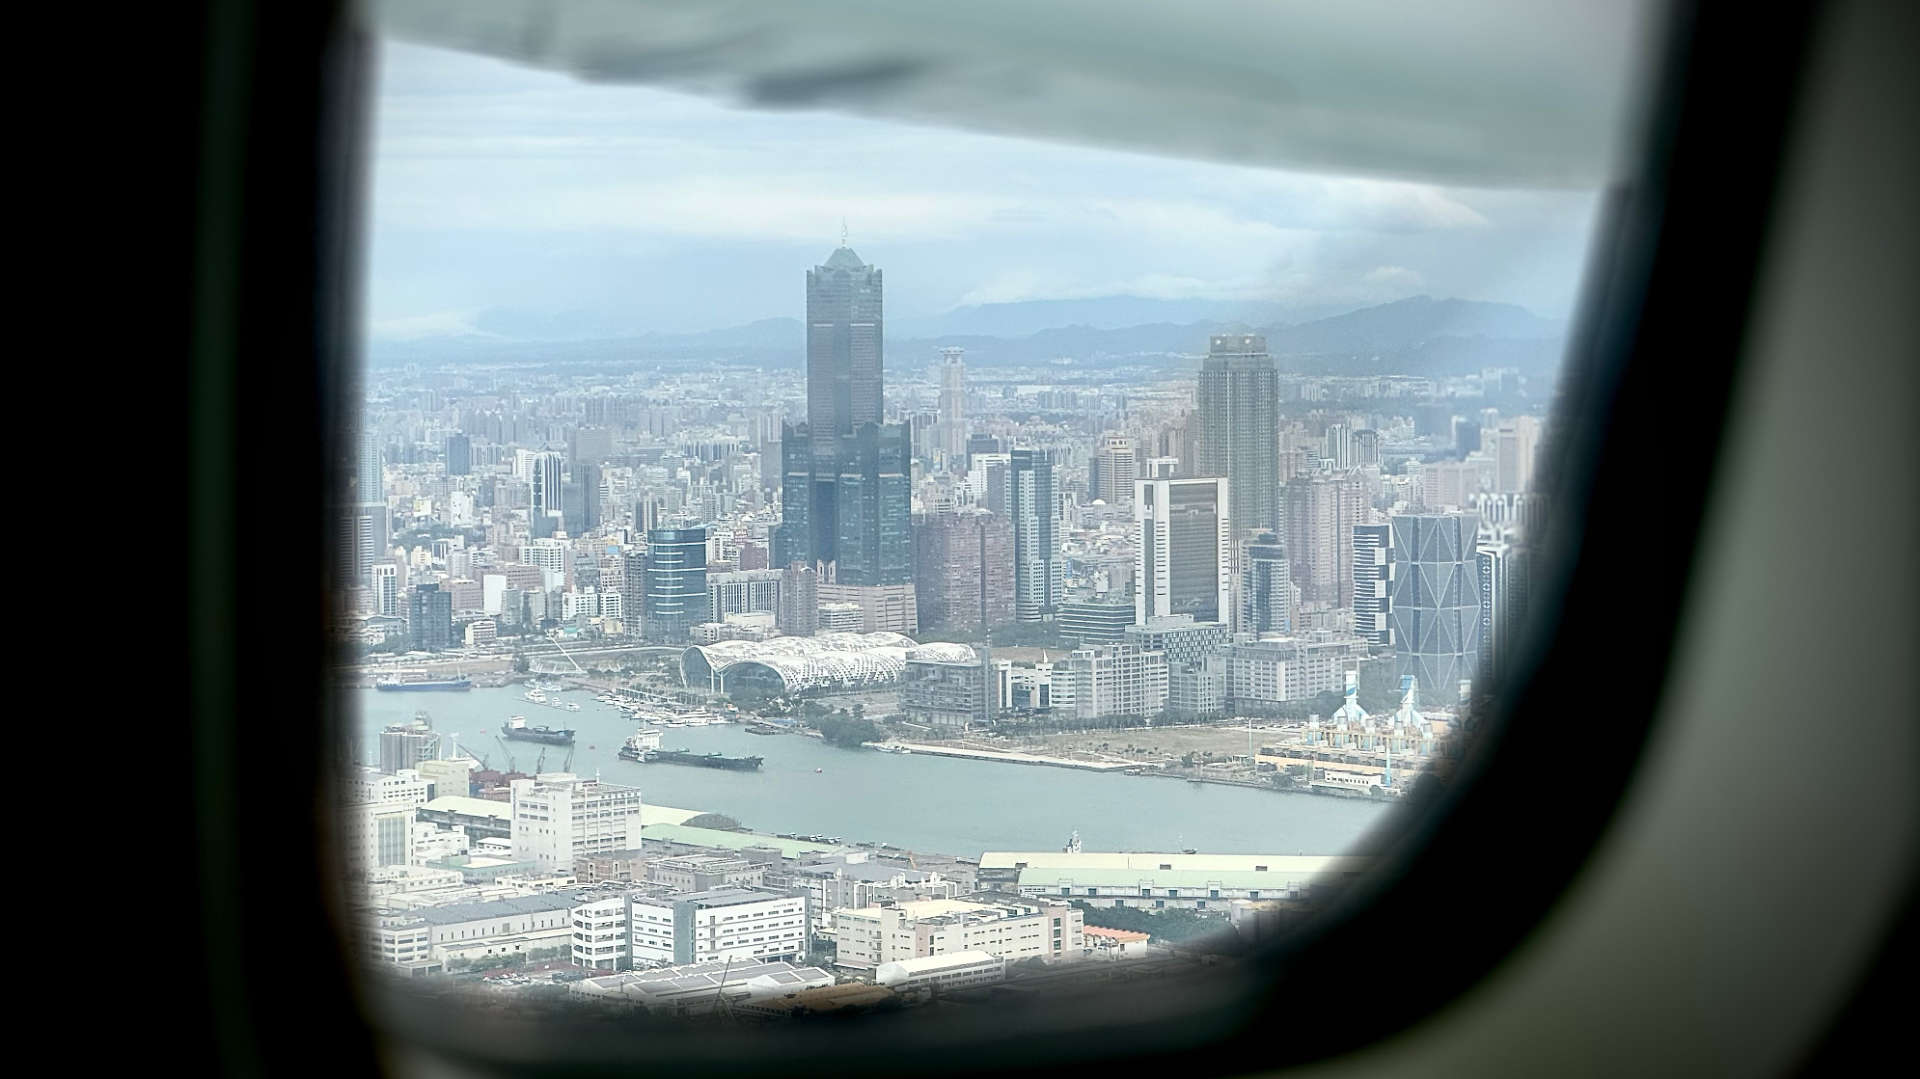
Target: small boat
[{"x": 816, "y": 771}]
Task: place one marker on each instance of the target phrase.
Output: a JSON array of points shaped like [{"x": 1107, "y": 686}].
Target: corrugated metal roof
[
  {"x": 725, "y": 840},
  {"x": 1275, "y": 878},
  {"x": 1053, "y": 859}
]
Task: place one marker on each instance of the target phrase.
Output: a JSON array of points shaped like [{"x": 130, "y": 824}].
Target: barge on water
[
  {"x": 641, "y": 755},
  {"x": 427, "y": 685},
  {"x": 516, "y": 730}
]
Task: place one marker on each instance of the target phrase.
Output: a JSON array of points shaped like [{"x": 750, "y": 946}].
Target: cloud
[
  {"x": 1394, "y": 277},
  {"x": 437, "y": 324},
  {"x": 499, "y": 186}
]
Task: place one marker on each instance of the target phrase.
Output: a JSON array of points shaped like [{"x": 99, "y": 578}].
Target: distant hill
[
  {"x": 1419, "y": 335},
  {"x": 1103, "y": 313}
]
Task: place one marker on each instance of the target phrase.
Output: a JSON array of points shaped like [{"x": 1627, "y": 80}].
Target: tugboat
[{"x": 516, "y": 730}]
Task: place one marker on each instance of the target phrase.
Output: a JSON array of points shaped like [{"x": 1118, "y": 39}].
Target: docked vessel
[
  {"x": 640, "y": 755},
  {"x": 425, "y": 685},
  {"x": 517, "y": 730}
]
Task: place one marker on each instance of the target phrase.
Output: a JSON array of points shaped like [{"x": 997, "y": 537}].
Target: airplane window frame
[{"x": 282, "y": 173}]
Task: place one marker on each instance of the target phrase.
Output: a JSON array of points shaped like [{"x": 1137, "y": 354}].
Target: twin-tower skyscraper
[{"x": 846, "y": 473}]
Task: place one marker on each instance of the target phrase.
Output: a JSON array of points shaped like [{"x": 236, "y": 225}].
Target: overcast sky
[{"x": 629, "y": 209}]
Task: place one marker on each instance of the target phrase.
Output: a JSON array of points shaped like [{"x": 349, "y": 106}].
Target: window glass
[{"x": 957, "y": 531}]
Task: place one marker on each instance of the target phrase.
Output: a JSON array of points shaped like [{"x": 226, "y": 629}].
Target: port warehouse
[
  {"x": 807, "y": 666},
  {"x": 942, "y": 973},
  {"x": 699, "y": 987},
  {"x": 1160, "y": 881}
]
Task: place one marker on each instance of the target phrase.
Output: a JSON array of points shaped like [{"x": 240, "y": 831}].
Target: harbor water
[{"x": 922, "y": 803}]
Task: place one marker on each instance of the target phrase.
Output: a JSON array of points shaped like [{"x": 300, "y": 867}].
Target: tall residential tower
[{"x": 1239, "y": 395}]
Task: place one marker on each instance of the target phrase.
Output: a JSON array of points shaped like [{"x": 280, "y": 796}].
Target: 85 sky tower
[{"x": 846, "y": 474}]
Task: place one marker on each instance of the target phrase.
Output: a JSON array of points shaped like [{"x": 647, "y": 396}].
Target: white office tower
[
  {"x": 1514, "y": 446},
  {"x": 384, "y": 584},
  {"x": 1373, "y": 583},
  {"x": 558, "y": 817},
  {"x": 545, "y": 473},
  {"x": 1503, "y": 563},
  {"x": 1182, "y": 562},
  {"x": 1117, "y": 470},
  {"x": 370, "y": 476},
  {"x": 1030, "y": 505}
]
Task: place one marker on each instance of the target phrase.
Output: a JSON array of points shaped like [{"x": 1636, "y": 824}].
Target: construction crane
[
  {"x": 511, "y": 767},
  {"x": 567, "y": 765},
  {"x": 540, "y": 765}
]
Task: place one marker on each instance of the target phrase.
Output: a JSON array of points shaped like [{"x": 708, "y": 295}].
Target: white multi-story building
[
  {"x": 376, "y": 834},
  {"x": 404, "y": 787},
  {"x": 558, "y": 816},
  {"x": 836, "y": 885},
  {"x": 450, "y": 775},
  {"x": 1111, "y": 680},
  {"x": 871, "y": 936},
  {"x": 552, "y": 557},
  {"x": 384, "y": 586},
  {"x": 1281, "y": 669},
  {"x": 428, "y": 844},
  {"x": 444, "y": 932},
  {"x": 377, "y": 824},
  {"x": 600, "y": 939},
  {"x": 715, "y": 925}
]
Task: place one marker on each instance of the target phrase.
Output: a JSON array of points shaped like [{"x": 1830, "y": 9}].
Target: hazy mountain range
[{"x": 1416, "y": 335}]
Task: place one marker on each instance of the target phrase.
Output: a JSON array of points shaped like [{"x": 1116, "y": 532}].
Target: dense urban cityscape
[{"x": 1256, "y": 582}]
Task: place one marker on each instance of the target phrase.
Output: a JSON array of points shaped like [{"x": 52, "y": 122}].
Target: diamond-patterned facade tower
[{"x": 1435, "y": 612}]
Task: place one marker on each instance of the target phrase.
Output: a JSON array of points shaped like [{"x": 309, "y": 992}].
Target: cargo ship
[
  {"x": 395, "y": 685},
  {"x": 516, "y": 730},
  {"x": 685, "y": 756}
]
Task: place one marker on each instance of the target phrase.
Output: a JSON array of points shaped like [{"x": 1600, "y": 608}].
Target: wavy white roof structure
[{"x": 830, "y": 661}]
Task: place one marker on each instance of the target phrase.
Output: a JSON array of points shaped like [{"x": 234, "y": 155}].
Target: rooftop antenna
[{"x": 843, "y": 232}]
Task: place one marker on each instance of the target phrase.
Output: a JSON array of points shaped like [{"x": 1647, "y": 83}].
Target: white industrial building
[
  {"x": 870, "y": 936},
  {"x": 942, "y": 973},
  {"x": 432, "y": 936},
  {"x": 1160, "y": 881},
  {"x": 842, "y": 884},
  {"x": 700, "y": 987},
  {"x": 635, "y": 929},
  {"x": 558, "y": 816}
]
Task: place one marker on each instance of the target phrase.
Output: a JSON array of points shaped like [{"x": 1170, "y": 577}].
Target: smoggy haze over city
[{"x": 531, "y": 204}]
